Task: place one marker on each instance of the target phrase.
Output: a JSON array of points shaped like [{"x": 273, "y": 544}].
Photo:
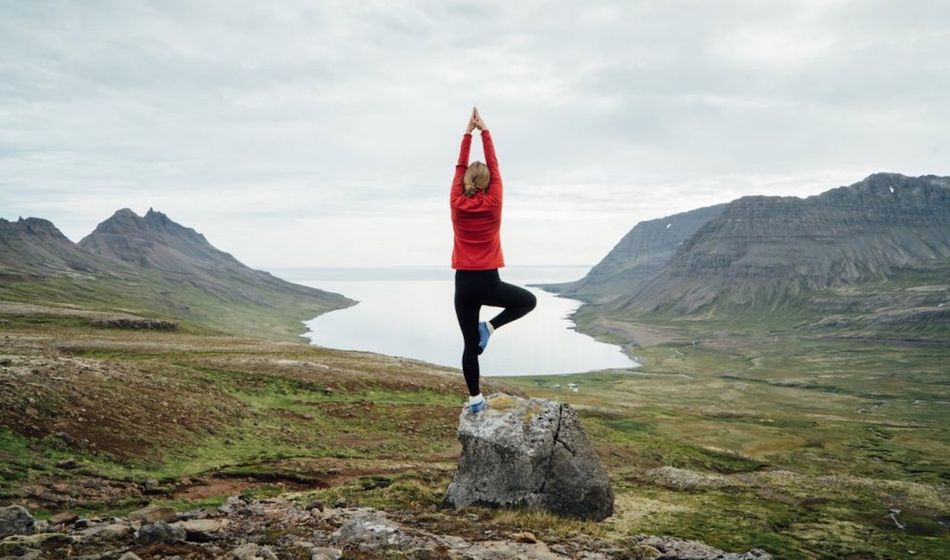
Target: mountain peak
[{"x": 155, "y": 241}]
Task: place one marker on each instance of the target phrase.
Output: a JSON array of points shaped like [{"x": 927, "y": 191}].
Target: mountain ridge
[
  {"x": 151, "y": 264},
  {"x": 761, "y": 251}
]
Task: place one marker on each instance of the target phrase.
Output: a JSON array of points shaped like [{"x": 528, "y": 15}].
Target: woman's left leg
[
  {"x": 517, "y": 302},
  {"x": 466, "y": 310}
]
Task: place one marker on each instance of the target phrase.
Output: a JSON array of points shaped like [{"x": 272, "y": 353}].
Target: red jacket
[{"x": 476, "y": 219}]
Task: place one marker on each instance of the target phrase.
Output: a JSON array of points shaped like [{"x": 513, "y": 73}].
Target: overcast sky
[{"x": 326, "y": 133}]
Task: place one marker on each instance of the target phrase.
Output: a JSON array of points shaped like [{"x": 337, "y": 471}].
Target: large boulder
[
  {"x": 531, "y": 453},
  {"x": 16, "y": 520}
]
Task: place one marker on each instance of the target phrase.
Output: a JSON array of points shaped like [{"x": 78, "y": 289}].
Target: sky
[{"x": 312, "y": 134}]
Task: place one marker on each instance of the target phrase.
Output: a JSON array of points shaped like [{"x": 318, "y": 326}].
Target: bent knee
[{"x": 531, "y": 302}]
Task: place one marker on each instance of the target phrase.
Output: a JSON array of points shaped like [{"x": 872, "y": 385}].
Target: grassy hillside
[
  {"x": 789, "y": 445},
  {"x": 278, "y": 315}
]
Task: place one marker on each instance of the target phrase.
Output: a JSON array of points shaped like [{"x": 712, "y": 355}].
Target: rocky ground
[{"x": 281, "y": 528}]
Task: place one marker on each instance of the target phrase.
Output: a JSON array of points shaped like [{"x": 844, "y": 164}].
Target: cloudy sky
[{"x": 325, "y": 133}]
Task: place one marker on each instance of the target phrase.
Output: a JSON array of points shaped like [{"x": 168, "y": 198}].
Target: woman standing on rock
[{"x": 475, "y": 201}]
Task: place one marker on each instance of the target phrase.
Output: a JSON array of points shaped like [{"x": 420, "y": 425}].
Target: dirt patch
[{"x": 220, "y": 485}]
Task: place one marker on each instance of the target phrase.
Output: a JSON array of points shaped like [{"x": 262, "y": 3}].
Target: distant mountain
[
  {"x": 637, "y": 257},
  {"x": 34, "y": 247},
  {"x": 762, "y": 250},
  {"x": 160, "y": 244},
  {"x": 153, "y": 265}
]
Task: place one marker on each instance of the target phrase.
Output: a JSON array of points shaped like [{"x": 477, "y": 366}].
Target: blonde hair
[{"x": 476, "y": 178}]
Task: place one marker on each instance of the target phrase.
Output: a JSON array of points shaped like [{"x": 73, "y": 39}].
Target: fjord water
[{"x": 409, "y": 312}]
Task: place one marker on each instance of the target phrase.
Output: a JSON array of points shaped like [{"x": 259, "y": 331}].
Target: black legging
[{"x": 473, "y": 289}]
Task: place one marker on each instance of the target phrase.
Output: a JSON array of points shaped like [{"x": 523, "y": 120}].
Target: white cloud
[{"x": 305, "y": 133}]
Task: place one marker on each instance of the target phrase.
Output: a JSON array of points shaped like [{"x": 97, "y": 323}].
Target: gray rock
[
  {"x": 326, "y": 553},
  {"x": 130, "y": 556},
  {"x": 247, "y": 551},
  {"x": 232, "y": 504},
  {"x": 684, "y": 479},
  {"x": 676, "y": 549},
  {"x": 106, "y": 532},
  {"x": 16, "y": 520},
  {"x": 151, "y": 514},
  {"x": 202, "y": 530},
  {"x": 370, "y": 529},
  {"x": 35, "y": 540},
  {"x": 160, "y": 532},
  {"x": 529, "y": 452},
  {"x": 502, "y": 550}
]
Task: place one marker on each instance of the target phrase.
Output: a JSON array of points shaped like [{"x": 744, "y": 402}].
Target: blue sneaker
[
  {"x": 483, "y": 335},
  {"x": 477, "y": 407}
]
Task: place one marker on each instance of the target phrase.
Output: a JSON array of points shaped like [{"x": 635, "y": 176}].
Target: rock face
[
  {"x": 532, "y": 453},
  {"x": 766, "y": 251}
]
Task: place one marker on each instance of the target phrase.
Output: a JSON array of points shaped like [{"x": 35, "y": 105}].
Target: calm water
[{"x": 409, "y": 312}]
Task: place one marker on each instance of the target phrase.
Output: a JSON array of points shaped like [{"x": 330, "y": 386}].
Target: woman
[{"x": 475, "y": 200}]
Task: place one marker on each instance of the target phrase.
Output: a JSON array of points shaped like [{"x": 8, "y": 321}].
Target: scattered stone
[
  {"x": 160, "y": 532},
  {"x": 232, "y": 505},
  {"x": 524, "y": 537},
  {"x": 135, "y": 323},
  {"x": 684, "y": 479},
  {"x": 644, "y": 552},
  {"x": 339, "y": 503},
  {"x": 16, "y": 520},
  {"x": 6, "y": 362},
  {"x": 253, "y": 551},
  {"x": 37, "y": 539},
  {"x": 491, "y": 550},
  {"x": 369, "y": 529},
  {"x": 326, "y": 553},
  {"x": 67, "y": 439},
  {"x": 316, "y": 504},
  {"x": 62, "y": 518},
  {"x": 202, "y": 530},
  {"x": 107, "y": 532},
  {"x": 151, "y": 514},
  {"x": 153, "y": 486},
  {"x": 67, "y": 464},
  {"x": 672, "y": 547},
  {"x": 529, "y": 452},
  {"x": 359, "y": 531}
]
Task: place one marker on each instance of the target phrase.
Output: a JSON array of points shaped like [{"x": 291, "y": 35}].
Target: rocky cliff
[{"x": 765, "y": 251}]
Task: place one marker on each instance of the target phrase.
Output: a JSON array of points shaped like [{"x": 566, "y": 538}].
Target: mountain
[
  {"x": 637, "y": 257},
  {"x": 157, "y": 243},
  {"x": 153, "y": 266},
  {"x": 34, "y": 247},
  {"x": 763, "y": 250},
  {"x": 766, "y": 251}
]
